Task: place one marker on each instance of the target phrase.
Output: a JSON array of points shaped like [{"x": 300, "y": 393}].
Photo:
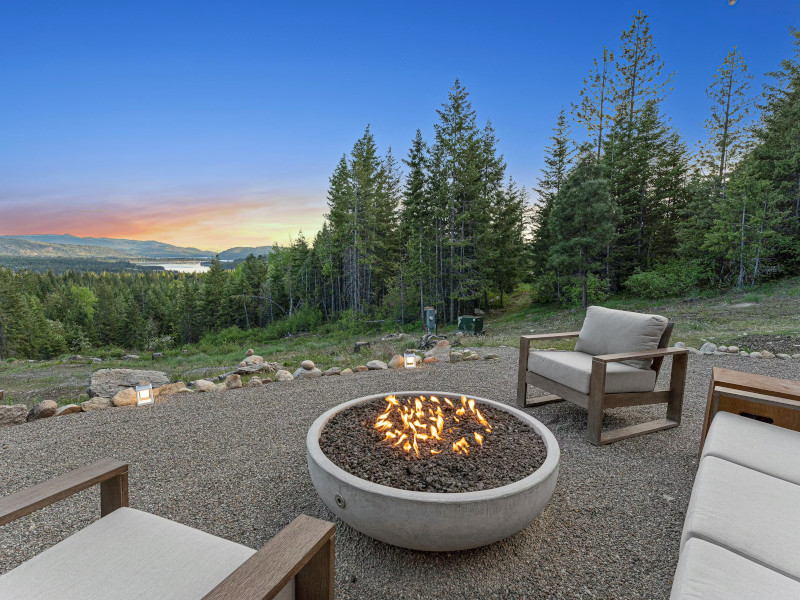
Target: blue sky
[{"x": 216, "y": 124}]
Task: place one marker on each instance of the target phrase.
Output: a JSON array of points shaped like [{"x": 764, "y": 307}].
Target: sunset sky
[{"x": 217, "y": 124}]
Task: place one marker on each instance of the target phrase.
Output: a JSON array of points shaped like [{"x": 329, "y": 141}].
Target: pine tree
[
  {"x": 582, "y": 220},
  {"x": 597, "y": 98}
]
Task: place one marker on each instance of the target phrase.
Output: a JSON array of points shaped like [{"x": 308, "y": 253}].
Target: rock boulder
[
  {"x": 302, "y": 373},
  {"x": 308, "y": 365},
  {"x": 13, "y": 415},
  {"x": 397, "y": 362},
  {"x": 68, "y": 410},
  {"x": 441, "y": 351},
  {"x": 171, "y": 388},
  {"x": 233, "y": 382},
  {"x": 126, "y": 397},
  {"x": 376, "y": 365},
  {"x": 96, "y": 403},
  {"x": 204, "y": 385},
  {"x": 283, "y": 375},
  {"x": 43, "y": 410}
]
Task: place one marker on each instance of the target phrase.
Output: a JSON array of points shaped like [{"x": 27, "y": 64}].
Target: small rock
[
  {"x": 172, "y": 388},
  {"x": 680, "y": 345},
  {"x": 473, "y": 356},
  {"x": 441, "y": 351},
  {"x": 131, "y": 357},
  {"x": 233, "y": 382},
  {"x": 94, "y": 359},
  {"x": 491, "y": 356},
  {"x": 708, "y": 348},
  {"x": 332, "y": 371},
  {"x": 126, "y": 397},
  {"x": 251, "y": 360},
  {"x": 220, "y": 387},
  {"x": 722, "y": 348},
  {"x": 43, "y": 410},
  {"x": 204, "y": 385},
  {"x": 455, "y": 357},
  {"x": 68, "y": 410},
  {"x": 96, "y": 403},
  {"x": 347, "y": 371},
  {"x": 733, "y": 349},
  {"x": 254, "y": 382},
  {"x": 796, "y": 356},
  {"x": 552, "y": 350},
  {"x": 250, "y": 352},
  {"x": 430, "y": 359},
  {"x": 397, "y": 362},
  {"x": 312, "y": 373},
  {"x": 266, "y": 380},
  {"x": 283, "y": 375},
  {"x": 13, "y": 415},
  {"x": 743, "y": 353},
  {"x": 783, "y": 356},
  {"x": 755, "y": 355},
  {"x": 157, "y": 355},
  {"x": 361, "y": 369},
  {"x": 377, "y": 365},
  {"x": 307, "y": 364},
  {"x": 767, "y": 354}
]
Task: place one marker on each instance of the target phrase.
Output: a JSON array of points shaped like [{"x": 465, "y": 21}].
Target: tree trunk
[{"x": 740, "y": 282}]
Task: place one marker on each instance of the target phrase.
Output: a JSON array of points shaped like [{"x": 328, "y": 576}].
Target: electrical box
[
  {"x": 469, "y": 324},
  {"x": 430, "y": 320}
]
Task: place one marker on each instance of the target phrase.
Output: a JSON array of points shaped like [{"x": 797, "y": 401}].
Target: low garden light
[
  {"x": 410, "y": 360},
  {"x": 144, "y": 394}
]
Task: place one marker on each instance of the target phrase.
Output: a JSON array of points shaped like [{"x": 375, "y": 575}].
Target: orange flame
[{"x": 422, "y": 421}]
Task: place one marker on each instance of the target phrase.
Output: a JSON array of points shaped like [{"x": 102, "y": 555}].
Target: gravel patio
[{"x": 233, "y": 464}]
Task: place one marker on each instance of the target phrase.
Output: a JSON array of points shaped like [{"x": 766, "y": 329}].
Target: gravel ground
[
  {"x": 233, "y": 464},
  {"x": 350, "y": 441}
]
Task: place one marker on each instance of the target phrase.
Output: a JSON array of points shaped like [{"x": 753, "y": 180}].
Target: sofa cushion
[
  {"x": 709, "y": 572},
  {"x": 574, "y": 370},
  {"x": 747, "y": 512},
  {"x": 766, "y": 448},
  {"x": 609, "y": 331},
  {"x": 129, "y": 554}
]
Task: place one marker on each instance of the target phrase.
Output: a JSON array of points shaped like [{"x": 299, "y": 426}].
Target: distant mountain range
[{"x": 70, "y": 246}]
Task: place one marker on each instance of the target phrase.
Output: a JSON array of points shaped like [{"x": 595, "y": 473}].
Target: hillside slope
[
  {"x": 151, "y": 249},
  {"x": 13, "y": 246}
]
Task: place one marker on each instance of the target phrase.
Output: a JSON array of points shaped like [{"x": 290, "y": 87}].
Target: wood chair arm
[
  {"x": 550, "y": 336},
  {"x": 303, "y": 550},
  {"x": 112, "y": 475},
  {"x": 756, "y": 398},
  {"x": 640, "y": 354}
]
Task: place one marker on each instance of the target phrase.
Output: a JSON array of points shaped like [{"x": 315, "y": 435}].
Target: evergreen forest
[{"x": 624, "y": 205}]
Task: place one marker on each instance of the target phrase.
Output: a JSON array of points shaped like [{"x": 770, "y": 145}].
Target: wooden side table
[{"x": 767, "y": 399}]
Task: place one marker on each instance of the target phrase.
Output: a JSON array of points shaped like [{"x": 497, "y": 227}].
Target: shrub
[{"x": 670, "y": 279}]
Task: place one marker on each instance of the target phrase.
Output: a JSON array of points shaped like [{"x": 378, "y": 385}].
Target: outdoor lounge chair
[
  {"x": 615, "y": 363},
  {"x": 133, "y": 554}
]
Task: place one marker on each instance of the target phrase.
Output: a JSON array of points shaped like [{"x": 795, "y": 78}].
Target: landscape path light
[
  {"x": 144, "y": 394},
  {"x": 410, "y": 360}
]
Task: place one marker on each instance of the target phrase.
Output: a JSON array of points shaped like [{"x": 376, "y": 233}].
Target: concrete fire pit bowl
[{"x": 428, "y": 521}]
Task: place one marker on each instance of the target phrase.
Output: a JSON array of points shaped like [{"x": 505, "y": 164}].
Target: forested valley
[{"x": 624, "y": 205}]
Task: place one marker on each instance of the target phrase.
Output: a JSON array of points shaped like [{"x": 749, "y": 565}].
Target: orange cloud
[{"x": 256, "y": 218}]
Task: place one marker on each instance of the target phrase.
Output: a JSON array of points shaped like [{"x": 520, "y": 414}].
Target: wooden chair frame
[
  {"x": 597, "y": 401},
  {"x": 303, "y": 549}
]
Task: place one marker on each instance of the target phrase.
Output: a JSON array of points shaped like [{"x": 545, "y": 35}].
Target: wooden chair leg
[
  {"x": 315, "y": 579},
  {"x": 113, "y": 494},
  {"x": 597, "y": 390},
  {"x": 542, "y": 400},
  {"x": 522, "y": 383},
  {"x": 677, "y": 385}
]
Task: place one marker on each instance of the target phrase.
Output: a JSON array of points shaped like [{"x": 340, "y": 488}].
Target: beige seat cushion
[
  {"x": 709, "y": 572},
  {"x": 129, "y": 555},
  {"x": 749, "y": 513},
  {"x": 609, "y": 331},
  {"x": 574, "y": 370},
  {"x": 766, "y": 448}
]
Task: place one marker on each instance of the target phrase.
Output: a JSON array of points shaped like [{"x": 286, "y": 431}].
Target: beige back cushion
[{"x": 609, "y": 331}]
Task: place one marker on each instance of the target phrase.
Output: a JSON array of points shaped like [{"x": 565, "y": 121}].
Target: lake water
[{"x": 187, "y": 267}]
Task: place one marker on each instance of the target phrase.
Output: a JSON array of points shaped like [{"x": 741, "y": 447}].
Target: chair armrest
[
  {"x": 112, "y": 475},
  {"x": 640, "y": 354},
  {"x": 303, "y": 549},
  {"x": 550, "y": 336}
]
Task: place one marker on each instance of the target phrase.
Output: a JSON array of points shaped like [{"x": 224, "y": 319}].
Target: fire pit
[{"x": 432, "y": 471}]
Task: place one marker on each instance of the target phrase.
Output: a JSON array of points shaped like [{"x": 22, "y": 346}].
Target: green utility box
[{"x": 469, "y": 324}]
